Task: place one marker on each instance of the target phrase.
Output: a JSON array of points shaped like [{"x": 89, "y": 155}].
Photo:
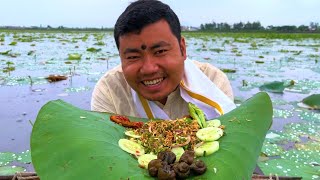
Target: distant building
[{"x": 189, "y": 28}]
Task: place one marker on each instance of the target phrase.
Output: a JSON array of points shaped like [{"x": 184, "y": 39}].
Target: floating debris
[{"x": 56, "y": 77}]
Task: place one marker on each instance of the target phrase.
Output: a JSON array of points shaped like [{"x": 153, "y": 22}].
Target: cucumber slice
[
  {"x": 209, "y": 134},
  {"x": 131, "y": 147},
  {"x": 132, "y": 134},
  {"x": 214, "y": 123},
  {"x": 178, "y": 151},
  {"x": 207, "y": 148},
  {"x": 144, "y": 160}
]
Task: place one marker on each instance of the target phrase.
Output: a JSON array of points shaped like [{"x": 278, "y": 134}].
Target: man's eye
[
  {"x": 161, "y": 51},
  {"x": 132, "y": 57}
]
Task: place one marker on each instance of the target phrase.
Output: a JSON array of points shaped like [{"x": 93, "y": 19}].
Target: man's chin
[{"x": 155, "y": 98}]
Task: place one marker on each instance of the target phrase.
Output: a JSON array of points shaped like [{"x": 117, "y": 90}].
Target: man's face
[{"x": 153, "y": 60}]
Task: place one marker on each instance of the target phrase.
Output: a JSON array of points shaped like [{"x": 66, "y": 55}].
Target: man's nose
[{"x": 149, "y": 65}]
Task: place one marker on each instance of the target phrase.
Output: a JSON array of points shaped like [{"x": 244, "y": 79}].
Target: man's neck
[{"x": 164, "y": 101}]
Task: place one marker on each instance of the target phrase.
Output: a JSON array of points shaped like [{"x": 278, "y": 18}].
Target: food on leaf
[
  {"x": 164, "y": 166},
  {"x": 209, "y": 133},
  {"x": 132, "y": 134},
  {"x": 95, "y": 141},
  {"x": 199, "y": 167},
  {"x": 197, "y": 114},
  {"x": 214, "y": 123},
  {"x": 166, "y": 173},
  {"x": 187, "y": 157},
  {"x": 167, "y": 156},
  {"x": 153, "y": 167},
  {"x": 161, "y": 135},
  {"x": 124, "y": 121},
  {"x": 144, "y": 160},
  {"x": 178, "y": 151},
  {"x": 182, "y": 170},
  {"x": 131, "y": 147},
  {"x": 207, "y": 148}
]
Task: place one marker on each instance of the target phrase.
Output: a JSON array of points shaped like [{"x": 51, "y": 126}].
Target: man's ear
[{"x": 183, "y": 47}]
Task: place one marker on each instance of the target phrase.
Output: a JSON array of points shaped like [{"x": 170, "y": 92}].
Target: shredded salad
[{"x": 161, "y": 135}]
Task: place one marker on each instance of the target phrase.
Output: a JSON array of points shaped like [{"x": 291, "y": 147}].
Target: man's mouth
[{"x": 153, "y": 82}]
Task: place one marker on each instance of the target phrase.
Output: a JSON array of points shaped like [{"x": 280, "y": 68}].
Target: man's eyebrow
[
  {"x": 159, "y": 44},
  {"x": 131, "y": 50}
]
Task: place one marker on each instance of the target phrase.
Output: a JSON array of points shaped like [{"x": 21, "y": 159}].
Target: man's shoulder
[
  {"x": 113, "y": 78},
  {"x": 114, "y": 72},
  {"x": 207, "y": 68}
]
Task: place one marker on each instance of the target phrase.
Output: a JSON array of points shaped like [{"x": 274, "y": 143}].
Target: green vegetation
[
  {"x": 256, "y": 26},
  {"x": 9, "y": 67},
  {"x": 92, "y": 49},
  {"x": 74, "y": 56},
  {"x": 252, "y": 35},
  {"x": 13, "y": 43}
]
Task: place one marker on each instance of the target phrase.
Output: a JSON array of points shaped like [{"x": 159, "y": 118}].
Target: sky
[{"x": 104, "y": 13}]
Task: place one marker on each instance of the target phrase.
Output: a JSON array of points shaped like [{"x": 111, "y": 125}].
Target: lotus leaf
[
  {"x": 10, "y": 170},
  {"x": 92, "y": 49},
  {"x": 74, "y": 56},
  {"x": 276, "y": 86},
  {"x": 70, "y": 143},
  {"x": 313, "y": 101}
]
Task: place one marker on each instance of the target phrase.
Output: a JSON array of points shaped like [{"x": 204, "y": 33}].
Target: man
[{"x": 155, "y": 79}]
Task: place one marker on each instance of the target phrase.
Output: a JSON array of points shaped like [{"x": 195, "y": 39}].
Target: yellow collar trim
[
  {"x": 202, "y": 98},
  {"x": 199, "y": 97},
  {"x": 146, "y": 107}
]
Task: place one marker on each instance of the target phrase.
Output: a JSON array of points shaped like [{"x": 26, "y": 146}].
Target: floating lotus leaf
[
  {"x": 275, "y": 86},
  {"x": 74, "y": 56},
  {"x": 24, "y": 157},
  {"x": 13, "y": 43},
  {"x": 10, "y": 170},
  {"x": 100, "y": 43},
  {"x": 312, "y": 101},
  {"x": 6, "y": 158},
  {"x": 92, "y": 49},
  {"x": 229, "y": 70},
  {"x": 294, "y": 163},
  {"x": 5, "y": 52}
]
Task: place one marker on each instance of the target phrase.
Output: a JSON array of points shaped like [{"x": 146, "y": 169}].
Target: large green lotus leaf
[
  {"x": 313, "y": 101},
  {"x": 70, "y": 143}
]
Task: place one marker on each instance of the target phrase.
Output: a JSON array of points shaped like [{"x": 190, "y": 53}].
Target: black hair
[{"x": 142, "y": 13}]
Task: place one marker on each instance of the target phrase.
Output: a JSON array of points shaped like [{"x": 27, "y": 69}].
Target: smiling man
[{"x": 156, "y": 79}]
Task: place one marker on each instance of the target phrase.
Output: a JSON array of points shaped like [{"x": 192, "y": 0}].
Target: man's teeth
[{"x": 153, "y": 82}]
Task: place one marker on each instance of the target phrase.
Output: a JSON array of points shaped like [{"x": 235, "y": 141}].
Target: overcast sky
[{"x": 98, "y": 13}]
